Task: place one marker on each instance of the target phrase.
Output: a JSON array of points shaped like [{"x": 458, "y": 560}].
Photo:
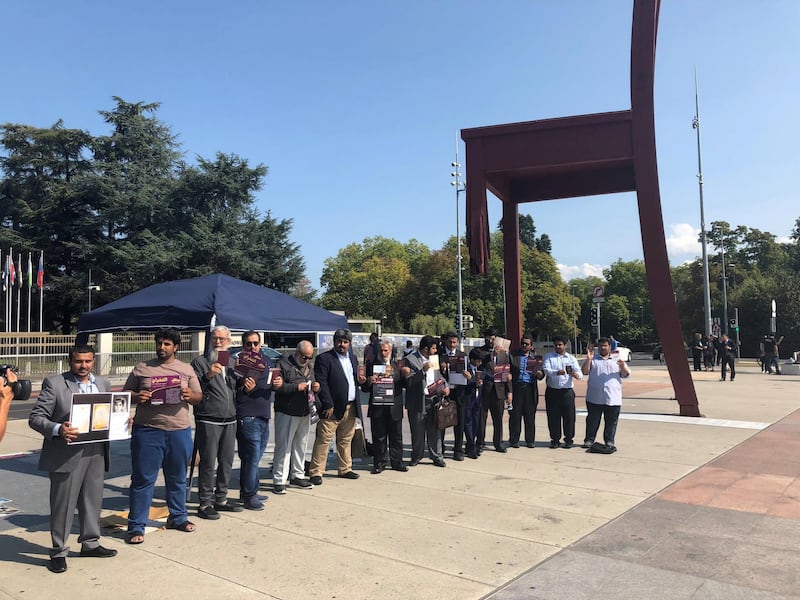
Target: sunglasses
[{"x": 252, "y": 343}]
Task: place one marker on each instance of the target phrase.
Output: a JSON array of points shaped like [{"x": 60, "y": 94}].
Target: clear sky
[{"x": 355, "y": 106}]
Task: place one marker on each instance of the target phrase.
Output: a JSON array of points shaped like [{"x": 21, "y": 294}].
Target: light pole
[
  {"x": 459, "y": 187},
  {"x": 706, "y": 285},
  {"x": 91, "y": 287},
  {"x": 724, "y": 287},
  {"x": 574, "y": 321}
]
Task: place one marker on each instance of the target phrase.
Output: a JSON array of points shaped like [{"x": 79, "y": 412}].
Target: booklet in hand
[
  {"x": 502, "y": 372},
  {"x": 436, "y": 388},
  {"x": 165, "y": 389},
  {"x": 250, "y": 364}
]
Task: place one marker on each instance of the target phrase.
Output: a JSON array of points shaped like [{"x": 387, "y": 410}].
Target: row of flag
[{"x": 13, "y": 274}]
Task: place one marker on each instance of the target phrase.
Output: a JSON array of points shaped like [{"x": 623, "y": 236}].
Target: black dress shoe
[
  {"x": 316, "y": 480},
  {"x": 378, "y": 469},
  {"x": 553, "y": 444},
  {"x": 500, "y": 449},
  {"x": 229, "y": 507},
  {"x": 349, "y": 475},
  {"x": 439, "y": 463},
  {"x": 514, "y": 445},
  {"x": 99, "y": 552},
  {"x": 413, "y": 463},
  {"x": 57, "y": 564},
  {"x": 473, "y": 455},
  {"x": 459, "y": 456},
  {"x": 568, "y": 445},
  {"x": 530, "y": 444},
  {"x": 401, "y": 467}
]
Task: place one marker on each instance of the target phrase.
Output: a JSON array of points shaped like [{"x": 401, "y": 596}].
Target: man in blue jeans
[
  {"x": 253, "y": 410},
  {"x": 162, "y": 389}
]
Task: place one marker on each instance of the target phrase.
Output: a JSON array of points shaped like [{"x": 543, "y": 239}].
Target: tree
[
  {"x": 365, "y": 280},
  {"x": 128, "y": 207}
]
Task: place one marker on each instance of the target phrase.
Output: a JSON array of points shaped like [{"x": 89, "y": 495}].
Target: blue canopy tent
[{"x": 202, "y": 302}]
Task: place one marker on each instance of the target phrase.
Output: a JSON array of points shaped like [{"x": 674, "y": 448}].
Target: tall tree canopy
[{"x": 129, "y": 207}]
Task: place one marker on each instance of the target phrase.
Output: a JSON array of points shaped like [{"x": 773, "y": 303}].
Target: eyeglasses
[
  {"x": 219, "y": 339},
  {"x": 252, "y": 343},
  {"x": 304, "y": 357}
]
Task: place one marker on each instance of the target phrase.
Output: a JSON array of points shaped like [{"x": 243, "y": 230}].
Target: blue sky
[{"x": 355, "y": 106}]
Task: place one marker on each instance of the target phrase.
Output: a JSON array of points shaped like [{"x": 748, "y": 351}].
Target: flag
[
  {"x": 5, "y": 272},
  {"x": 12, "y": 272},
  {"x": 30, "y": 272},
  {"x": 40, "y": 272},
  {"x": 19, "y": 270}
]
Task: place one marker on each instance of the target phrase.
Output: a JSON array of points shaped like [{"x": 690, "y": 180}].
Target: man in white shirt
[
  {"x": 560, "y": 369},
  {"x": 603, "y": 395}
]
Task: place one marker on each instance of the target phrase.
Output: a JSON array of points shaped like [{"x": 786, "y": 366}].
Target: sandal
[
  {"x": 134, "y": 537},
  {"x": 185, "y": 526}
]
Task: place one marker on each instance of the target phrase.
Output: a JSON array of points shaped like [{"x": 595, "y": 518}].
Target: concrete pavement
[{"x": 688, "y": 508}]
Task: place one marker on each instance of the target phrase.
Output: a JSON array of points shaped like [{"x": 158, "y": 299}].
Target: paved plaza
[{"x": 687, "y": 508}]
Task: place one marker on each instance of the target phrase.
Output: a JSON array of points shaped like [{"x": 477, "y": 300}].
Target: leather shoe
[
  {"x": 530, "y": 445},
  {"x": 514, "y": 445},
  {"x": 458, "y": 456},
  {"x": 401, "y": 467},
  {"x": 500, "y": 449},
  {"x": 377, "y": 470},
  {"x": 228, "y": 507},
  {"x": 57, "y": 564},
  {"x": 473, "y": 454},
  {"x": 568, "y": 445},
  {"x": 99, "y": 552},
  {"x": 349, "y": 475},
  {"x": 207, "y": 512},
  {"x": 553, "y": 444},
  {"x": 439, "y": 463},
  {"x": 413, "y": 463},
  {"x": 316, "y": 480}
]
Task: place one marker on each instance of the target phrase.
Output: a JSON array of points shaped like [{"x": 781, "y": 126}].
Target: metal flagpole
[
  {"x": 706, "y": 285},
  {"x": 40, "y": 283},
  {"x": 30, "y": 285},
  {"x": 19, "y": 288},
  {"x": 8, "y": 289}
]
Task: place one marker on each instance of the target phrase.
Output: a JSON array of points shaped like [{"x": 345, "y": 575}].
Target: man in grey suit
[{"x": 76, "y": 472}]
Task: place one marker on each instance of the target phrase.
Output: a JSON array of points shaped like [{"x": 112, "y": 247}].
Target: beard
[{"x": 213, "y": 355}]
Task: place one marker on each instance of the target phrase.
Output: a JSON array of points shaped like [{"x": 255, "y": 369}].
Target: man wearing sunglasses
[
  {"x": 526, "y": 371},
  {"x": 253, "y": 409},
  {"x": 293, "y": 399}
]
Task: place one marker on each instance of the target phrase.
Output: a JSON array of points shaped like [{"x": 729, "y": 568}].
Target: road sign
[{"x": 598, "y": 291}]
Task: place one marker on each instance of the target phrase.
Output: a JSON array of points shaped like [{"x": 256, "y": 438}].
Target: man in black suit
[
  {"x": 76, "y": 471},
  {"x": 336, "y": 371},
  {"x": 419, "y": 374},
  {"x": 496, "y": 395},
  {"x": 457, "y": 382},
  {"x": 525, "y": 373},
  {"x": 385, "y": 410}
]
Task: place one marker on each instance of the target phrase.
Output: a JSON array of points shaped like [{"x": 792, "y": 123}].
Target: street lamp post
[
  {"x": 459, "y": 187},
  {"x": 91, "y": 287},
  {"x": 706, "y": 285},
  {"x": 724, "y": 288},
  {"x": 574, "y": 321}
]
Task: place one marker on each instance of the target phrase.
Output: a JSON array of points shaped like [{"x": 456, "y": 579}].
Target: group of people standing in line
[{"x": 233, "y": 412}]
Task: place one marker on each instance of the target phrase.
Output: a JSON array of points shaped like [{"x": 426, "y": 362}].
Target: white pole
[
  {"x": 19, "y": 287},
  {"x": 41, "y": 291},
  {"x": 30, "y": 285}
]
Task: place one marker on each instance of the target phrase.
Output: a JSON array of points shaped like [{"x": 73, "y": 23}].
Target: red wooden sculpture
[{"x": 582, "y": 156}]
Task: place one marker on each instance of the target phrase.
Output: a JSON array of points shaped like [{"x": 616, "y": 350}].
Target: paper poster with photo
[
  {"x": 456, "y": 365},
  {"x": 100, "y": 417}
]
